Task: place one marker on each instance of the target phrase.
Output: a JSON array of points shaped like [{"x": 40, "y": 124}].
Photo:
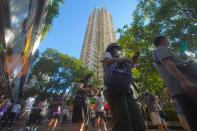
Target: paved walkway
[
  {"x": 69, "y": 127},
  {"x": 173, "y": 126}
]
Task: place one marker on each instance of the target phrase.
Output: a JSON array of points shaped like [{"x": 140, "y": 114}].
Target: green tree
[
  {"x": 53, "y": 11},
  {"x": 175, "y": 19},
  {"x": 172, "y": 18},
  {"x": 55, "y": 71}
]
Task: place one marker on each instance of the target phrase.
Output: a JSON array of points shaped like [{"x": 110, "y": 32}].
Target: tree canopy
[
  {"x": 174, "y": 19},
  {"x": 53, "y": 11},
  {"x": 56, "y": 71}
]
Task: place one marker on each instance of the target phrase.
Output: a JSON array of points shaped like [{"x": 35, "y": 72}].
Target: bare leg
[
  {"x": 54, "y": 125},
  {"x": 50, "y": 124},
  {"x": 98, "y": 123},
  {"x": 104, "y": 124},
  {"x": 81, "y": 127},
  {"x": 160, "y": 127}
]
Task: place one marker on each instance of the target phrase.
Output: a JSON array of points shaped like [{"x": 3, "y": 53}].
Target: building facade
[{"x": 99, "y": 33}]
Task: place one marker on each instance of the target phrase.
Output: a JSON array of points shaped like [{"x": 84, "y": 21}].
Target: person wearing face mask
[
  {"x": 180, "y": 78},
  {"x": 83, "y": 87},
  {"x": 126, "y": 115}
]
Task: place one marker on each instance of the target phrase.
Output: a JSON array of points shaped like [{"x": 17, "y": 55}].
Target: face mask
[
  {"x": 120, "y": 54},
  {"x": 117, "y": 53}
]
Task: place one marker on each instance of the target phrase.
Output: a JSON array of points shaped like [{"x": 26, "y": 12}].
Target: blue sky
[{"x": 69, "y": 27}]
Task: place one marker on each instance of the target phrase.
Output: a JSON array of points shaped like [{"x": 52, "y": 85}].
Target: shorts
[
  {"x": 56, "y": 115},
  {"x": 155, "y": 117},
  {"x": 100, "y": 114}
]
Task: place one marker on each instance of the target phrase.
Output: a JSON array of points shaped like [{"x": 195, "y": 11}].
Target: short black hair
[
  {"x": 111, "y": 47},
  {"x": 158, "y": 39}
]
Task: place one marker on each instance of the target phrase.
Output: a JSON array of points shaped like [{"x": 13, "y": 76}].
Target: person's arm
[
  {"x": 164, "y": 56},
  {"x": 79, "y": 86},
  {"x": 172, "y": 69},
  {"x": 189, "y": 88},
  {"x": 116, "y": 60}
]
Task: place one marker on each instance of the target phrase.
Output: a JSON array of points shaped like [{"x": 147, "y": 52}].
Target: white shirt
[
  {"x": 99, "y": 104},
  {"x": 29, "y": 103}
]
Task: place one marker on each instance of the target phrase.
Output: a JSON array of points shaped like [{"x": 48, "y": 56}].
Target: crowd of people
[
  {"x": 114, "y": 107},
  {"x": 179, "y": 76},
  {"x": 35, "y": 113},
  {"x": 84, "y": 112},
  {"x": 27, "y": 114}
]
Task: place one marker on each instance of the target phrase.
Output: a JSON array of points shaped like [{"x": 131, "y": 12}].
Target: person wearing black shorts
[{"x": 79, "y": 104}]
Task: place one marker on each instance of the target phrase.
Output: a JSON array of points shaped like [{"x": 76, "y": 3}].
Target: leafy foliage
[
  {"x": 172, "y": 18},
  {"x": 175, "y": 19},
  {"x": 53, "y": 11},
  {"x": 55, "y": 71}
]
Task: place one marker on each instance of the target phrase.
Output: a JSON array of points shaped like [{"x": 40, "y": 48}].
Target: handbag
[{"x": 117, "y": 77}]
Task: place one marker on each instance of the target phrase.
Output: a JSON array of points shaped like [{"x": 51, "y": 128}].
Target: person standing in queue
[
  {"x": 80, "y": 108},
  {"x": 55, "y": 111},
  {"x": 126, "y": 115},
  {"x": 180, "y": 78}
]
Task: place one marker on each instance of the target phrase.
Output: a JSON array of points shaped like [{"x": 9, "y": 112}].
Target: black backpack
[{"x": 118, "y": 77}]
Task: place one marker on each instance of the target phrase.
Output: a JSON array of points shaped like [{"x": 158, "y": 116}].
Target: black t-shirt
[{"x": 81, "y": 95}]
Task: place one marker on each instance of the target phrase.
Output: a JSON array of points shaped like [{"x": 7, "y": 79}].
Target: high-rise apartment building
[{"x": 99, "y": 33}]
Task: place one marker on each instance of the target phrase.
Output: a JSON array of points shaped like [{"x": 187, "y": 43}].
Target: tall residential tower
[{"x": 99, "y": 34}]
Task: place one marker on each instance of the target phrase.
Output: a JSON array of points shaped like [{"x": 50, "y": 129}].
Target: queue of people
[
  {"x": 179, "y": 76},
  {"x": 35, "y": 113},
  {"x": 115, "y": 106},
  {"x": 19, "y": 114},
  {"x": 83, "y": 112},
  {"x": 31, "y": 114}
]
